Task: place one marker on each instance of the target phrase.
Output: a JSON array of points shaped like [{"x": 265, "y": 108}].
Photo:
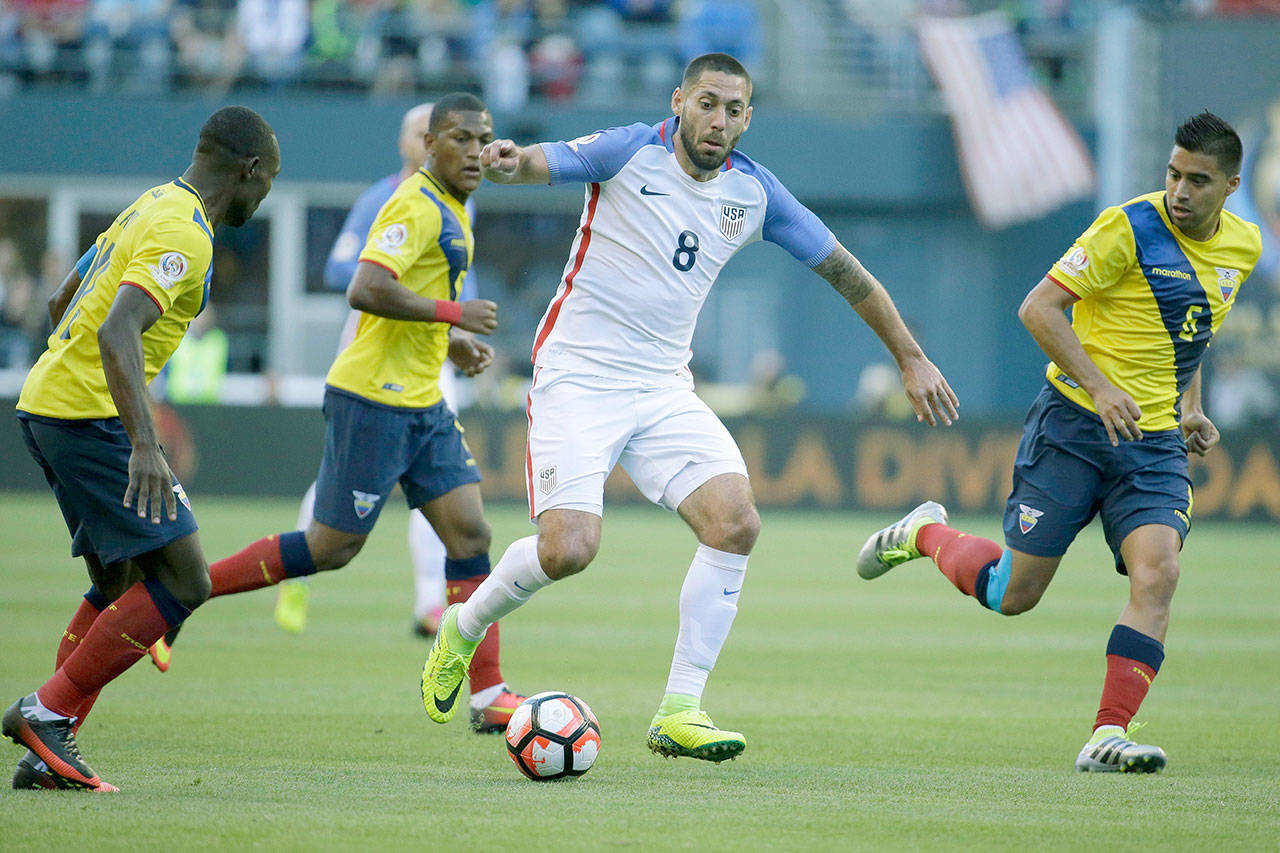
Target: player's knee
[
  {"x": 191, "y": 587},
  {"x": 334, "y": 553},
  {"x": 1154, "y": 579},
  {"x": 1019, "y": 601},
  {"x": 735, "y": 533},
  {"x": 566, "y": 556},
  {"x": 472, "y": 538}
]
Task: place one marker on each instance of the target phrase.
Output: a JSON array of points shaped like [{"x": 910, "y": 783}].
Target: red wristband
[{"x": 448, "y": 312}]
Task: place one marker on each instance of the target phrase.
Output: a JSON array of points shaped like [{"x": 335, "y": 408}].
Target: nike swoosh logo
[
  {"x": 702, "y": 726},
  {"x": 443, "y": 707},
  {"x": 733, "y": 591},
  {"x": 521, "y": 588},
  {"x": 644, "y": 190}
]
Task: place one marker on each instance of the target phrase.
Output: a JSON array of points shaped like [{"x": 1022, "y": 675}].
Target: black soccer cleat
[
  {"x": 33, "y": 774},
  {"x": 53, "y": 741}
]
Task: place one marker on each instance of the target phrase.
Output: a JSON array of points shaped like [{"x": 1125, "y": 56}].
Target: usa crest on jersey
[{"x": 731, "y": 220}]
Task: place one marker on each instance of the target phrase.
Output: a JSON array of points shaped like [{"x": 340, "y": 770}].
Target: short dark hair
[
  {"x": 454, "y": 102},
  {"x": 233, "y": 133},
  {"x": 1208, "y": 134},
  {"x": 722, "y": 62}
]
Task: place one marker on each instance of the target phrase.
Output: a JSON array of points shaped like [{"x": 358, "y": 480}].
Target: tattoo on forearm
[{"x": 849, "y": 278}]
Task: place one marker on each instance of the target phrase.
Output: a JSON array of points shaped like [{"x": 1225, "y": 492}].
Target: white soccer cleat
[
  {"x": 896, "y": 544},
  {"x": 1110, "y": 750}
]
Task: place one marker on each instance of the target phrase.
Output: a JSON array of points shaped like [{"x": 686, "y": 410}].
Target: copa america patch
[
  {"x": 392, "y": 238},
  {"x": 547, "y": 480},
  {"x": 1075, "y": 260},
  {"x": 170, "y": 270},
  {"x": 1027, "y": 518},
  {"x": 731, "y": 220},
  {"x": 364, "y": 502}
]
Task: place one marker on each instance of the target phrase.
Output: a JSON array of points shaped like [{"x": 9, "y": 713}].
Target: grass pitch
[{"x": 888, "y": 715}]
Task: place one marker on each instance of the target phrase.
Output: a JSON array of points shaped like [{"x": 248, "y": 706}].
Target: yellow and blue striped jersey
[
  {"x": 162, "y": 244},
  {"x": 422, "y": 235},
  {"x": 1150, "y": 300}
]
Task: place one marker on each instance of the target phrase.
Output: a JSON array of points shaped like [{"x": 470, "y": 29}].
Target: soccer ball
[{"x": 553, "y": 736}]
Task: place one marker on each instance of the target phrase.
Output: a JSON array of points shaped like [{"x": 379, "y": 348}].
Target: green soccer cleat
[
  {"x": 291, "y": 605},
  {"x": 896, "y": 544},
  {"x": 1112, "y": 751},
  {"x": 691, "y": 734},
  {"x": 446, "y": 668}
]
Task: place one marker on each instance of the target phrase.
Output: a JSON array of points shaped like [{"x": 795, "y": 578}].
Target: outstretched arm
[
  {"x": 375, "y": 290},
  {"x": 504, "y": 162},
  {"x": 930, "y": 395},
  {"x": 1042, "y": 312}
]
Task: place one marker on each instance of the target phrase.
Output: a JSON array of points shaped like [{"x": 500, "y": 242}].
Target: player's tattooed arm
[
  {"x": 844, "y": 273},
  {"x": 926, "y": 387}
]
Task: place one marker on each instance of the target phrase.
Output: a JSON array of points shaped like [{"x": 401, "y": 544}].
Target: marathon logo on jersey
[
  {"x": 364, "y": 502},
  {"x": 1027, "y": 518},
  {"x": 547, "y": 480},
  {"x": 731, "y": 220},
  {"x": 170, "y": 270},
  {"x": 182, "y": 495},
  {"x": 1228, "y": 281},
  {"x": 392, "y": 238},
  {"x": 1075, "y": 260}
]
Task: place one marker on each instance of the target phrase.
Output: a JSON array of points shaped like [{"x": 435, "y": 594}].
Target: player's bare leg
[
  {"x": 1134, "y": 654},
  {"x": 722, "y": 514}
]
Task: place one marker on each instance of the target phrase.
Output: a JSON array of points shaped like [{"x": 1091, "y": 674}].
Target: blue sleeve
[
  {"x": 597, "y": 156},
  {"x": 86, "y": 261},
  {"x": 791, "y": 225},
  {"x": 345, "y": 254}
]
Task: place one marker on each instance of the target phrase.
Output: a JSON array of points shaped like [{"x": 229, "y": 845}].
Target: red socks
[
  {"x": 486, "y": 670},
  {"x": 119, "y": 637},
  {"x": 959, "y": 556},
  {"x": 76, "y": 630},
  {"x": 1133, "y": 659},
  {"x": 264, "y": 563}
]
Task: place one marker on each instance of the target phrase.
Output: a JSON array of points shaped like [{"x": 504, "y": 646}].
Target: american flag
[{"x": 1020, "y": 158}]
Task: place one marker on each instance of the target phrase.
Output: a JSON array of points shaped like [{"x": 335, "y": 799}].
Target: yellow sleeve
[
  {"x": 1099, "y": 257},
  {"x": 405, "y": 228},
  {"x": 171, "y": 258}
]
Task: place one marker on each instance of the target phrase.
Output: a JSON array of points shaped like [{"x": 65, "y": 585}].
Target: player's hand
[
  {"x": 1119, "y": 413},
  {"x": 479, "y": 316},
  {"x": 1199, "y": 433},
  {"x": 502, "y": 156},
  {"x": 929, "y": 393},
  {"x": 151, "y": 484},
  {"x": 468, "y": 354}
]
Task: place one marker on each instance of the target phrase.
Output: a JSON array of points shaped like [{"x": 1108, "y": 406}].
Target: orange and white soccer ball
[{"x": 553, "y": 736}]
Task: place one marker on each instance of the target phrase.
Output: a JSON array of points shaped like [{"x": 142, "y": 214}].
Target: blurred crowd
[{"x": 509, "y": 49}]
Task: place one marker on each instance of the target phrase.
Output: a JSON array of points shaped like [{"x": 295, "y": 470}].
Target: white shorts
[{"x": 580, "y": 426}]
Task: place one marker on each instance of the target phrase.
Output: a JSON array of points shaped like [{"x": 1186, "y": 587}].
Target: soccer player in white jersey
[{"x": 666, "y": 207}]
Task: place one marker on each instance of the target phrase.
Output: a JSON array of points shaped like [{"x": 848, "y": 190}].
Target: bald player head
[{"x": 413, "y": 146}]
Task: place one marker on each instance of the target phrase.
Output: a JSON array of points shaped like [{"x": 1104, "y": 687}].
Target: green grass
[{"x": 885, "y": 715}]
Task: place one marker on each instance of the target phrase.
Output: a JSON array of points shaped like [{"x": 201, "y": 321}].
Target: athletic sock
[
  {"x": 708, "y": 604},
  {"x": 120, "y": 636},
  {"x": 264, "y": 563},
  {"x": 513, "y": 581},
  {"x": 427, "y": 554},
  {"x": 962, "y": 558},
  {"x": 1133, "y": 659},
  {"x": 674, "y": 703},
  {"x": 93, "y": 603},
  {"x": 462, "y": 579}
]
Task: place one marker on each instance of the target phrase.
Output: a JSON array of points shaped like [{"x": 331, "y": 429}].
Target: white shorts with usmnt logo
[{"x": 580, "y": 426}]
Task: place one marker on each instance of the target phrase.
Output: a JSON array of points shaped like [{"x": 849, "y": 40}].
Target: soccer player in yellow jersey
[
  {"x": 86, "y": 419},
  {"x": 386, "y": 420},
  {"x": 1148, "y": 284}
]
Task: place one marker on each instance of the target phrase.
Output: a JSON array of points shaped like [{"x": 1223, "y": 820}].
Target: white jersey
[{"x": 650, "y": 244}]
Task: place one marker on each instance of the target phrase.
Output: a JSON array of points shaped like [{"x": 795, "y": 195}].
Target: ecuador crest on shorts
[
  {"x": 1027, "y": 517},
  {"x": 364, "y": 502}
]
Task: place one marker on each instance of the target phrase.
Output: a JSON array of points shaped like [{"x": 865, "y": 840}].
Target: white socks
[
  {"x": 512, "y": 582},
  {"x": 708, "y": 603}
]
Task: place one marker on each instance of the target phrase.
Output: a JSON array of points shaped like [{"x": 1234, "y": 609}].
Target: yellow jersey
[
  {"x": 1151, "y": 298},
  {"x": 422, "y": 235},
  {"x": 161, "y": 244}
]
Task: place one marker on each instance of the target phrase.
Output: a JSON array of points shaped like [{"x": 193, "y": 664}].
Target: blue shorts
[
  {"x": 369, "y": 447},
  {"x": 1067, "y": 471},
  {"x": 87, "y": 464}
]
